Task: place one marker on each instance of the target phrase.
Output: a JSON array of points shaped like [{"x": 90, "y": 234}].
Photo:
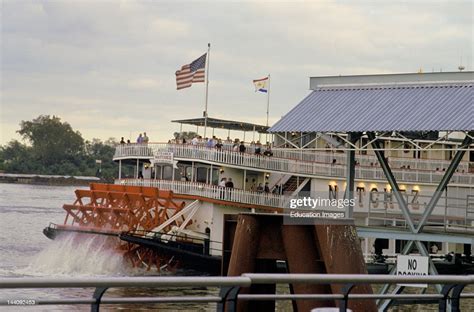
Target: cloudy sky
[{"x": 108, "y": 67}]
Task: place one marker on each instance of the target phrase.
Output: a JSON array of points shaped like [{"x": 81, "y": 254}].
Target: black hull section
[
  {"x": 192, "y": 256},
  {"x": 50, "y": 232},
  {"x": 185, "y": 253}
]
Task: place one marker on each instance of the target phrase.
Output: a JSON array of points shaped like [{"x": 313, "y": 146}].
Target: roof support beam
[
  {"x": 287, "y": 141},
  {"x": 391, "y": 180},
  {"x": 444, "y": 181},
  {"x": 352, "y": 137}
]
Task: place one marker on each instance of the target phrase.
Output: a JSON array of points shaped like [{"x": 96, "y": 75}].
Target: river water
[{"x": 24, "y": 251}]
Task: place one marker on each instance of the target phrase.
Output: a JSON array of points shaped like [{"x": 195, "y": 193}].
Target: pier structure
[{"x": 381, "y": 106}]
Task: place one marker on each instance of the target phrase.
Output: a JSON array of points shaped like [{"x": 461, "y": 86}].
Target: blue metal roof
[{"x": 383, "y": 108}]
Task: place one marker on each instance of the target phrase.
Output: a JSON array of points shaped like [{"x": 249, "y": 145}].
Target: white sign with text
[
  {"x": 412, "y": 266},
  {"x": 163, "y": 158}
]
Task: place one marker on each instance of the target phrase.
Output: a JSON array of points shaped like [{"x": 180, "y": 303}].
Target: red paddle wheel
[{"x": 113, "y": 209}]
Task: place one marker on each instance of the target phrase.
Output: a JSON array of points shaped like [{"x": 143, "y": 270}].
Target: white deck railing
[
  {"x": 454, "y": 216},
  {"x": 213, "y": 192},
  {"x": 327, "y": 164}
]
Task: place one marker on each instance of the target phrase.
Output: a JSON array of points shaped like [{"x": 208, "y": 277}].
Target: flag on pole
[
  {"x": 261, "y": 85},
  {"x": 189, "y": 73}
]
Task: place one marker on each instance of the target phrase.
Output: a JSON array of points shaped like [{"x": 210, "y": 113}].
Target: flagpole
[
  {"x": 268, "y": 103},
  {"x": 207, "y": 87}
]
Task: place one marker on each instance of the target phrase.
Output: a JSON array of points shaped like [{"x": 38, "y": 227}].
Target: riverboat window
[
  {"x": 158, "y": 172},
  {"x": 201, "y": 174},
  {"x": 215, "y": 176},
  {"x": 167, "y": 172}
]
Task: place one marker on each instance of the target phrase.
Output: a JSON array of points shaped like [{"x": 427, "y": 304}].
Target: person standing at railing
[
  {"x": 258, "y": 148},
  {"x": 229, "y": 186},
  {"x": 242, "y": 147},
  {"x": 229, "y": 183},
  {"x": 268, "y": 151},
  {"x": 222, "y": 185},
  {"x": 122, "y": 141},
  {"x": 266, "y": 189},
  {"x": 140, "y": 139},
  {"x": 218, "y": 145},
  {"x": 145, "y": 138}
]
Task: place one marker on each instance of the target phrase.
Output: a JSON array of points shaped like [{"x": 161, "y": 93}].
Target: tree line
[{"x": 51, "y": 146}]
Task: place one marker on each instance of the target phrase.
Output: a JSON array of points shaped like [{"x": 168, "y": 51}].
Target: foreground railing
[
  {"x": 324, "y": 164},
  {"x": 230, "y": 287}
]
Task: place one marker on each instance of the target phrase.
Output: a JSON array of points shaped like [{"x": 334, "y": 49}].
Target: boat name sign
[{"x": 164, "y": 158}]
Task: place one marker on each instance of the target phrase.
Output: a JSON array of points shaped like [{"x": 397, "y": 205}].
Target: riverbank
[{"x": 43, "y": 179}]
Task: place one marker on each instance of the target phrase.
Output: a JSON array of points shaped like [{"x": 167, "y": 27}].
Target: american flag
[{"x": 189, "y": 73}]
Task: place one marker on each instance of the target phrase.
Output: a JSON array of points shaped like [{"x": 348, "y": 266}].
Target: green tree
[
  {"x": 186, "y": 135},
  {"x": 52, "y": 141},
  {"x": 57, "y": 149},
  {"x": 16, "y": 157}
]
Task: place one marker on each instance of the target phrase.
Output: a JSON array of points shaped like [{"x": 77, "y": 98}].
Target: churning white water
[{"x": 76, "y": 255}]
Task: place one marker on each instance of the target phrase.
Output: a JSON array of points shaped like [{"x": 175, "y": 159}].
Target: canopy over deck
[
  {"x": 224, "y": 124},
  {"x": 402, "y": 102}
]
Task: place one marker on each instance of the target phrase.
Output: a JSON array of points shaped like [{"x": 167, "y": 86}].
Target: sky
[{"x": 108, "y": 67}]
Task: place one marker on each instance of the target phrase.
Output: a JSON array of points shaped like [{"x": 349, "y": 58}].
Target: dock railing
[
  {"x": 229, "y": 295},
  {"x": 320, "y": 164}
]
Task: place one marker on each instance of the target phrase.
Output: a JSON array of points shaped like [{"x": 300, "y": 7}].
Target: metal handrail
[{"x": 230, "y": 287}]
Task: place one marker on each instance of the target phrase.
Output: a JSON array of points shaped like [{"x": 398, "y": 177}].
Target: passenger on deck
[
  {"x": 229, "y": 183},
  {"x": 145, "y": 138},
  {"x": 222, "y": 185},
  {"x": 258, "y": 148},
  {"x": 122, "y": 141},
  {"x": 253, "y": 188},
  {"x": 210, "y": 143},
  {"x": 260, "y": 188},
  {"x": 268, "y": 151},
  {"x": 266, "y": 189},
  {"x": 223, "y": 181},
  {"x": 235, "y": 147},
  {"x": 140, "y": 139},
  {"x": 195, "y": 141},
  {"x": 219, "y": 145},
  {"x": 242, "y": 147}
]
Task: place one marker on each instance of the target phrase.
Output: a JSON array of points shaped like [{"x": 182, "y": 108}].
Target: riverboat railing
[
  {"x": 450, "y": 213},
  {"x": 326, "y": 165},
  {"x": 229, "y": 295},
  {"x": 214, "y": 192},
  {"x": 308, "y": 155}
]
